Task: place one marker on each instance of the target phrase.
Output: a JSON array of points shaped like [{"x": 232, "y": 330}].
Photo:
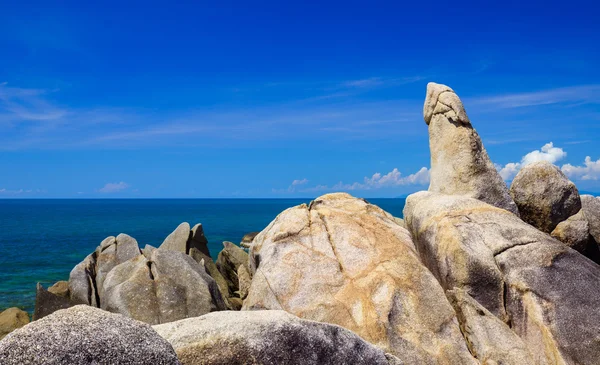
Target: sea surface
[{"x": 42, "y": 240}]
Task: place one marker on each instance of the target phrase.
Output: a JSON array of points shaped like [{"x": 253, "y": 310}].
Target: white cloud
[
  {"x": 114, "y": 187},
  {"x": 5, "y": 191},
  {"x": 590, "y": 170},
  {"x": 547, "y": 153},
  {"x": 299, "y": 182},
  {"x": 292, "y": 187}
]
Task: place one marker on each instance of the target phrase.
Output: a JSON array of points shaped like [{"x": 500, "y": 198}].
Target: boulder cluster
[{"x": 476, "y": 273}]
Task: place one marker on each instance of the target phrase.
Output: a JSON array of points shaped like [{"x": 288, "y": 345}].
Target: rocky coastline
[{"x": 477, "y": 272}]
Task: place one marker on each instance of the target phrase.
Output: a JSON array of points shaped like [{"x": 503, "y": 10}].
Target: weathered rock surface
[
  {"x": 544, "y": 195},
  {"x": 267, "y": 337},
  {"x": 490, "y": 340},
  {"x": 87, "y": 278},
  {"x": 228, "y": 262},
  {"x": 459, "y": 162},
  {"x": 245, "y": 280},
  {"x": 47, "y": 302},
  {"x": 183, "y": 239},
  {"x": 11, "y": 319},
  {"x": 160, "y": 286},
  {"x": 575, "y": 233},
  {"x": 85, "y": 335},
  {"x": 211, "y": 269},
  {"x": 547, "y": 292},
  {"x": 591, "y": 209},
  {"x": 344, "y": 261},
  {"x": 247, "y": 239}
]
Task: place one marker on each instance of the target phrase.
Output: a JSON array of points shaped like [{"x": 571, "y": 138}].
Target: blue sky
[{"x": 280, "y": 99}]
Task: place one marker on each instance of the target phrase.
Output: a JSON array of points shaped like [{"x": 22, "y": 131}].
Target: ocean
[{"x": 41, "y": 240}]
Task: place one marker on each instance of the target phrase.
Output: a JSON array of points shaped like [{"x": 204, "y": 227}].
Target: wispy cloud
[
  {"x": 292, "y": 188},
  {"x": 20, "y": 192},
  {"x": 113, "y": 187},
  {"x": 19, "y": 104},
  {"x": 581, "y": 94}
]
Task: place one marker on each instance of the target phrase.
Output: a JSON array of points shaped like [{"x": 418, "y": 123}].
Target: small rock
[
  {"x": 177, "y": 240},
  {"x": 591, "y": 208},
  {"x": 247, "y": 239},
  {"x": 60, "y": 288},
  {"x": 86, "y": 335},
  {"x": 46, "y": 302},
  {"x": 544, "y": 195},
  {"x": 11, "y": 319},
  {"x": 575, "y": 233}
]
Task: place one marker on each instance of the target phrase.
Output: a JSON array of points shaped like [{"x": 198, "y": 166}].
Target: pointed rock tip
[{"x": 441, "y": 99}]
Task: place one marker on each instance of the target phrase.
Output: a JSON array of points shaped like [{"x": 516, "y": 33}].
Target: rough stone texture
[
  {"x": 267, "y": 337},
  {"x": 245, "y": 279},
  {"x": 400, "y": 222},
  {"x": 547, "y": 292},
  {"x": 544, "y": 195},
  {"x": 344, "y": 261},
  {"x": 228, "y": 262},
  {"x": 575, "y": 233},
  {"x": 490, "y": 340},
  {"x": 87, "y": 278},
  {"x": 591, "y": 208},
  {"x": 198, "y": 240},
  {"x": 160, "y": 286},
  {"x": 85, "y": 335},
  {"x": 60, "y": 288},
  {"x": 47, "y": 302},
  {"x": 177, "y": 240},
  {"x": 11, "y": 319},
  {"x": 459, "y": 163},
  {"x": 247, "y": 239},
  {"x": 211, "y": 269}
]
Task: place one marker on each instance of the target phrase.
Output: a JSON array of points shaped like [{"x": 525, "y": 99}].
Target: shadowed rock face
[
  {"x": 48, "y": 301},
  {"x": 544, "y": 195},
  {"x": 85, "y": 335},
  {"x": 267, "y": 338},
  {"x": 591, "y": 209},
  {"x": 228, "y": 262},
  {"x": 161, "y": 286},
  {"x": 344, "y": 261},
  {"x": 459, "y": 163},
  {"x": 546, "y": 292}
]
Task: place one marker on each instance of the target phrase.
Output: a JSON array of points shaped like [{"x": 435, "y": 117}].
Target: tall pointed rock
[{"x": 460, "y": 164}]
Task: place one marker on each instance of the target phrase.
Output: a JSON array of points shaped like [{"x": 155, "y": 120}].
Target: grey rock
[
  {"x": 490, "y": 340},
  {"x": 544, "y": 195},
  {"x": 591, "y": 208},
  {"x": 160, "y": 286},
  {"x": 245, "y": 279},
  {"x": 575, "y": 233},
  {"x": 177, "y": 240},
  {"x": 546, "y": 291},
  {"x": 85, "y": 335},
  {"x": 344, "y": 261},
  {"x": 247, "y": 239},
  {"x": 82, "y": 282},
  {"x": 211, "y": 269},
  {"x": 267, "y": 338},
  {"x": 12, "y": 319},
  {"x": 460, "y": 164},
  {"x": 228, "y": 262},
  {"x": 46, "y": 302},
  {"x": 198, "y": 240}
]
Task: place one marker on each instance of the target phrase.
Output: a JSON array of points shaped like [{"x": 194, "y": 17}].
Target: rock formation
[
  {"x": 591, "y": 209},
  {"x": 267, "y": 337},
  {"x": 344, "y": 261},
  {"x": 546, "y": 292},
  {"x": 51, "y": 300},
  {"x": 247, "y": 239},
  {"x": 12, "y": 319},
  {"x": 459, "y": 163},
  {"x": 183, "y": 239},
  {"x": 544, "y": 195},
  {"x": 85, "y": 335},
  {"x": 228, "y": 262},
  {"x": 160, "y": 286}
]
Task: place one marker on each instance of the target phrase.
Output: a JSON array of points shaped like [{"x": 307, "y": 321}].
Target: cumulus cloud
[
  {"x": 547, "y": 153},
  {"x": 114, "y": 187},
  {"x": 589, "y": 171}
]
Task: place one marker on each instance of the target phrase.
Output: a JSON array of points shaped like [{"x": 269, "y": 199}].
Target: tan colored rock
[
  {"x": 344, "y": 261},
  {"x": 267, "y": 337},
  {"x": 591, "y": 208},
  {"x": 544, "y": 195},
  {"x": 490, "y": 340},
  {"x": 60, "y": 288},
  {"x": 228, "y": 262},
  {"x": 547, "y": 292},
  {"x": 245, "y": 279},
  {"x": 247, "y": 239},
  {"x": 11, "y": 319},
  {"x": 400, "y": 222},
  {"x": 575, "y": 233},
  {"x": 460, "y": 164},
  {"x": 160, "y": 286}
]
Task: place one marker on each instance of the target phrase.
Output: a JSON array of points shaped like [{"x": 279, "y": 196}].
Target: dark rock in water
[
  {"x": 10, "y": 320},
  {"x": 544, "y": 195},
  {"x": 182, "y": 239},
  {"x": 213, "y": 271},
  {"x": 228, "y": 262},
  {"x": 247, "y": 239},
  {"x": 161, "y": 286},
  {"x": 546, "y": 291},
  {"x": 268, "y": 337},
  {"x": 85, "y": 335},
  {"x": 46, "y": 302}
]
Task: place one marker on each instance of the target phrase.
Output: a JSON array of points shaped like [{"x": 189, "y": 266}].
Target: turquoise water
[{"x": 42, "y": 240}]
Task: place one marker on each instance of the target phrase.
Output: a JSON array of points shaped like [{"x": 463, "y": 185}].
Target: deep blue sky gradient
[{"x": 239, "y": 99}]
